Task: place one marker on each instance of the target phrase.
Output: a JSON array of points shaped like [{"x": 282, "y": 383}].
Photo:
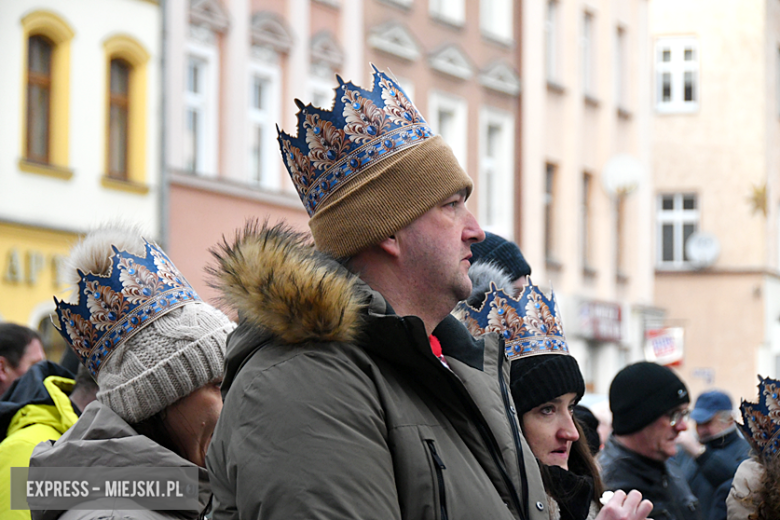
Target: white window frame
[
  {"x": 551, "y": 35},
  {"x": 206, "y": 103},
  {"x": 265, "y": 118},
  {"x": 495, "y": 19},
  {"x": 321, "y": 92},
  {"x": 450, "y": 11},
  {"x": 458, "y": 107},
  {"x": 496, "y": 173},
  {"x": 588, "y": 54},
  {"x": 677, "y": 217},
  {"x": 677, "y": 68}
]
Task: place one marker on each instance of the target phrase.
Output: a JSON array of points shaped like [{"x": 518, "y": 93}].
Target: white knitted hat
[
  {"x": 167, "y": 360},
  {"x": 164, "y": 349}
]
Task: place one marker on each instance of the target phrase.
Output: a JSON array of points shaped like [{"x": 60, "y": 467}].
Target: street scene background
[{"x": 629, "y": 147}]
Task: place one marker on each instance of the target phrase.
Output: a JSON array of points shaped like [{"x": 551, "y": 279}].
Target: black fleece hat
[
  {"x": 503, "y": 253},
  {"x": 534, "y": 380},
  {"x": 641, "y": 393}
]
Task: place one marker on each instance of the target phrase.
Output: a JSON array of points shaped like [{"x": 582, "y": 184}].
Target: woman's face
[
  {"x": 550, "y": 431},
  {"x": 191, "y": 421}
]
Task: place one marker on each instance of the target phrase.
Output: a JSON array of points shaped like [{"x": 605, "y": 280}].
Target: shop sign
[
  {"x": 665, "y": 345},
  {"x": 28, "y": 266},
  {"x": 601, "y": 321}
]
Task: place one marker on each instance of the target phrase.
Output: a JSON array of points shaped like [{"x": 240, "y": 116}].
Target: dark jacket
[
  {"x": 712, "y": 469},
  {"x": 659, "y": 482},
  {"x": 335, "y": 407}
]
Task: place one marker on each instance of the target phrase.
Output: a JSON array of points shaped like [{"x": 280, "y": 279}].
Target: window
[
  {"x": 38, "y": 98},
  {"x": 678, "y": 219},
  {"x": 448, "y": 118},
  {"x": 586, "y": 221},
  {"x": 201, "y": 103},
  {"x": 677, "y": 75},
  {"x": 450, "y": 11},
  {"x": 126, "y": 129},
  {"x": 496, "y": 19},
  {"x": 45, "y": 94},
  {"x": 263, "y": 114},
  {"x": 588, "y": 56},
  {"x": 496, "y": 181},
  {"x": 551, "y": 41},
  {"x": 549, "y": 212},
  {"x": 621, "y": 74},
  {"x": 119, "y": 86},
  {"x": 195, "y": 115}
]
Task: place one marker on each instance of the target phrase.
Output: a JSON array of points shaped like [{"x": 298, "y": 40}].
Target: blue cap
[{"x": 710, "y": 403}]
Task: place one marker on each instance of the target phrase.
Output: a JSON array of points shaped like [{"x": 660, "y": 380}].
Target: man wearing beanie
[
  {"x": 649, "y": 406},
  {"x": 350, "y": 392},
  {"x": 503, "y": 254}
]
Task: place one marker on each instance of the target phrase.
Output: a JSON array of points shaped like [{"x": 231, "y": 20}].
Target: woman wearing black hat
[{"x": 546, "y": 384}]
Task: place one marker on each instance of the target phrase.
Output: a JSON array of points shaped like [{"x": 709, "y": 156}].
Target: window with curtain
[
  {"x": 39, "y": 72},
  {"x": 119, "y": 103}
]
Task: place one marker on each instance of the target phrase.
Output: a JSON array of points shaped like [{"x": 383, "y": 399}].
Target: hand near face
[
  {"x": 688, "y": 442},
  {"x": 626, "y": 507}
]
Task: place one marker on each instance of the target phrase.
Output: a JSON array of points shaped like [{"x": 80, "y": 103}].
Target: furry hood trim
[{"x": 275, "y": 279}]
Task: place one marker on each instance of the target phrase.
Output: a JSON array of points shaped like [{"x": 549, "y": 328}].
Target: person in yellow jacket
[{"x": 39, "y": 406}]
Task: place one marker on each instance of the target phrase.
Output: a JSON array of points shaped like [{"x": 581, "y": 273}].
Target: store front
[{"x": 31, "y": 262}]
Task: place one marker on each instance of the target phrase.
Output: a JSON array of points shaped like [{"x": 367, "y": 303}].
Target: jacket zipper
[
  {"x": 511, "y": 416},
  {"x": 439, "y": 467}
]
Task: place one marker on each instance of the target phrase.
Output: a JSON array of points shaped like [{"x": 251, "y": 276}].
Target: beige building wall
[
  {"x": 584, "y": 104},
  {"x": 723, "y": 151}
]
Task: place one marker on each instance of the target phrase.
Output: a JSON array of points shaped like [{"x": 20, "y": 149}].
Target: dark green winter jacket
[{"x": 336, "y": 408}]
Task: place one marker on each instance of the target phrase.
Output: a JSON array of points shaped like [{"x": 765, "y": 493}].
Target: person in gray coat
[{"x": 159, "y": 379}]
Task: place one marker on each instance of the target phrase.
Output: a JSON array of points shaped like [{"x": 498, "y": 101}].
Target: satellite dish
[
  {"x": 702, "y": 249},
  {"x": 622, "y": 174}
]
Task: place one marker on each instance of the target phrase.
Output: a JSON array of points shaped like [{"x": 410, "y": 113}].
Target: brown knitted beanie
[{"x": 388, "y": 197}]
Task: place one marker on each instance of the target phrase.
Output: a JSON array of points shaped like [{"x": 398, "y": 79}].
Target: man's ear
[
  {"x": 4, "y": 364},
  {"x": 390, "y": 246}
]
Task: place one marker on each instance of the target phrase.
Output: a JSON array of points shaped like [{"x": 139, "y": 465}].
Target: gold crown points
[
  {"x": 112, "y": 308},
  {"x": 530, "y": 324},
  {"x": 363, "y": 128}
]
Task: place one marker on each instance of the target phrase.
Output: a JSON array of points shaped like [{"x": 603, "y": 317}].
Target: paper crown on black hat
[
  {"x": 761, "y": 420},
  {"x": 363, "y": 128},
  {"x": 530, "y": 323},
  {"x": 112, "y": 308}
]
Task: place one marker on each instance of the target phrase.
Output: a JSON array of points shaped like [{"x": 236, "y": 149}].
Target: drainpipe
[{"x": 164, "y": 182}]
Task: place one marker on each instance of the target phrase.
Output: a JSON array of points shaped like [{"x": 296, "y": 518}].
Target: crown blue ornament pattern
[
  {"x": 363, "y": 128},
  {"x": 761, "y": 421},
  {"x": 530, "y": 324},
  {"x": 113, "y": 308}
]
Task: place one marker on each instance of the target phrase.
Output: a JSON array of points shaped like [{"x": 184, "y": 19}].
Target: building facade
[
  {"x": 79, "y": 141},
  {"x": 716, "y": 125},
  {"x": 233, "y": 70},
  {"x": 584, "y": 216}
]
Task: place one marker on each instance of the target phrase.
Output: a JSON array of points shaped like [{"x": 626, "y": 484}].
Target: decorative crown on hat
[
  {"x": 530, "y": 324},
  {"x": 363, "y": 128},
  {"x": 761, "y": 421},
  {"x": 112, "y": 308}
]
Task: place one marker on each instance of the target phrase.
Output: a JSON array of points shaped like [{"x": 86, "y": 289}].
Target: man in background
[
  {"x": 649, "y": 405},
  {"x": 20, "y": 348},
  {"x": 709, "y": 462}
]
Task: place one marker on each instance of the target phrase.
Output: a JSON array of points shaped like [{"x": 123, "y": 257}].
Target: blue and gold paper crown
[
  {"x": 761, "y": 421},
  {"x": 530, "y": 324},
  {"x": 112, "y": 308},
  {"x": 364, "y": 127}
]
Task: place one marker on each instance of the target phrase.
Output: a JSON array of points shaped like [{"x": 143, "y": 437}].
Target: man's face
[
  {"x": 437, "y": 248},
  {"x": 713, "y": 427},
  {"x": 33, "y": 353},
  {"x": 657, "y": 439}
]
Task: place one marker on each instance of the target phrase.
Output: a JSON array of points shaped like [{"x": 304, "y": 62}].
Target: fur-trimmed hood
[{"x": 275, "y": 279}]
